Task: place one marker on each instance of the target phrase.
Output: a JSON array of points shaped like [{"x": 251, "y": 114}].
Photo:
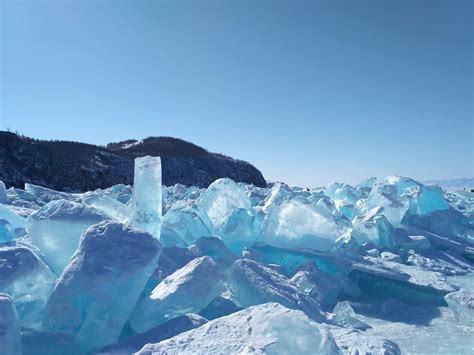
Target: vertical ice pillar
[
  {"x": 146, "y": 199},
  {"x": 3, "y": 193}
]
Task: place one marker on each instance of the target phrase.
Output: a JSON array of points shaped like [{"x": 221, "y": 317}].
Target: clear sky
[{"x": 308, "y": 91}]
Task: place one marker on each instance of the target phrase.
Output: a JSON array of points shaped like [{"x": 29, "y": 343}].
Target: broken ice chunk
[
  {"x": 352, "y": 341},
  {"x": 221, "y": 199},
  {"x": 57, "y": 227},
  {"x": 278, "y": 194},
  {"x": 27, "y": 280},
  {"x": 298, "y": 224},
  {"x": 101, "y": 284},
  {"x": 344, "y": 316},
  {"x": 408, "y": 242},
  {"x": 461, "y": 304},
  {"x": 238, "y": 231},
  {"x": 10, "y": 338},
  {"x": 264, "y": 329},
  {"x": 146, "y": 199},
  {"x": 252, "y": 283},
  {"x": 386, "y": 255},
  {"x": 323, "y": 288},
  {"x": 189, "y": 289}
]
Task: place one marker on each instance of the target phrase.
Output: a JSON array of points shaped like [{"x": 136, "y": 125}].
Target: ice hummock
[{"x": 389, "y": 248}]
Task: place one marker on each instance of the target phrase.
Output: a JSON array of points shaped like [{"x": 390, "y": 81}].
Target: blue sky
[{"x": 308, "y": 91}]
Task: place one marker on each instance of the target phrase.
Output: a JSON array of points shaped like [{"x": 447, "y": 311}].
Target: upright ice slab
[
  {"x": 265, "y": 329},
  {"x": 57, "y": 227},
  {"x": 10, "y": 339},
  {"x": 147, "y": 198},
  {"x": 97, "y": 291}
]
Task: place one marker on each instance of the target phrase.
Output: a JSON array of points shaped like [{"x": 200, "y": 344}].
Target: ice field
[{"x": 384, "y": 267}]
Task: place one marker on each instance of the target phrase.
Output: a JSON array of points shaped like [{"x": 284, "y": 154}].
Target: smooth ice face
[
  {"x": 97, "y": 291},
  {"x": 183, "y": 227},
  {"x": 252, "y": 284},
  {"x": 189, "y": 289},
  {"x": 8, "y": 214},
  {"x": 10, "y": 338},
  {"x": 221, "y": 199},
  {"x": 7, "y": 233},
  {"x": 265, "y": 329},
  {"x": 27, "y": 280},
  {"x": 461, "y": 304},
  {"x": 159, "y": 333},
  {"x": 147, "y": 199},
  {"x": 239, "y": 231},
  {"x": 57, "y": 227},
  {"x": 298, "y": 224}
]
